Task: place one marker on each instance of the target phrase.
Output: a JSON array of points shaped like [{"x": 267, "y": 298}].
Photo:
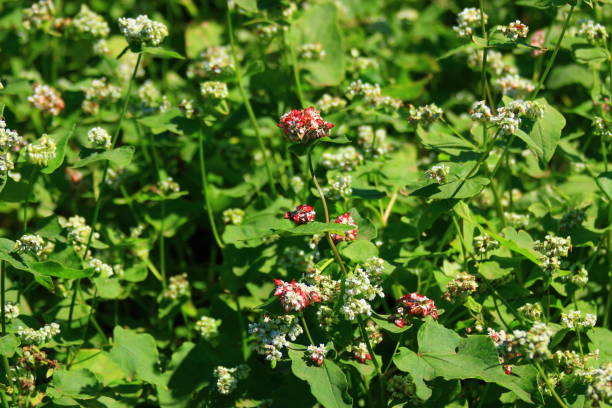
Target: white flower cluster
[
  {"x": 311, "y": 52},
  {"x": 151, "y": 97},
  {"x": 345, "y": 158},
  {"x": 329, "y": 103},
  {"x": 360, "y": 352},
  {"x": 271, "y": 334},
  {"x": 514, "y": 86},
  {"x": 41, "y": 151},
  {"x": 533, "y": 343},
  {"x": 340, "y": 186},
  {"x": 97, "y": 92},
  {"x": 90, "y": 23},
  {"x": 99, "y": 137},
  {"x": 100, "y": 47},
  {"x": 467, "y": 20},
  {"x": 495, "y": 62},
  {"x": 266, "y": 31},
  {"x": 326, "y": 317},
  {"x": 366, "y": 136},
  {"x": 372, "y": 95},
  {"x": 178, "y": 287},
  {"x": 40, "y": 336},
  {"x": 38, "y": 14},
  {"x": 208, "y": 327},
  {"x": 325, "y": 285},
  {"x": 509, "y": 117},
  {"x": 599, "y": 381},
  {"x": 462, "y": 285},
  {"x": 11, "y": 311},
  {"x": 46, "y": 99},
  {"x": 214, "y": 90},
  {"x": 186, "y": 106},
  {"x": 142, "y": 31},
  {"x": 580, "y": 277},
  {"x": 552, "y": 249},
  {"x": 8, "y": 138},
  {"x": 297, "y": 184},
  {"x": 592, "y": 31},
  {"x": 296, "y": 258},
  {"x": 359, "y": 63},
  {"x": 438, "y": 173},
  {"x": 574, "y": 319},
  {"x": 233, "y": 216},
  {"x": 424, "y": 114},
  {"x": 227, "y": 378},
  {"x": 78, "y": 232},
  {"x": 374, "y": 268},
  {"x": 168, "y": 186},
  {"x": 481, "y": 112},
  {"x": 569, "y": 360},
  {"x": 101, "y": 268},
  {"x": 601, "y": 128},
  {"x": 360, "y": 289},
  {"x": 316, "y": 354},
  {"x": 214, "y": 61},
  {"x": 515, "y": 30},
  {"x": 516, "y": 219},
  {"x": 29, "y": 243},
  {"x": 531, "y": 310},
  {"x": 485, "y": 243},
  {"x": 401, "y": 386}
]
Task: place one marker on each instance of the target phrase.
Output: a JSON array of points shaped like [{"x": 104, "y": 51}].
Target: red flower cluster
[
  {"x": 414, "y": 304},
  {"x": 349, "y": 235},
  {"x": 303, "y": 214},
  {"x": 295, "y": 296},
  {"x": 303, "y": 125}
]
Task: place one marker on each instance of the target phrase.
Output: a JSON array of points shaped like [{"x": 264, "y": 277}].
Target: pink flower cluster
[
  {"x": 349, "y": 235},
  {"x": 303, "y": 214},
  {"x": 46, "y": 99},
  {"x": 414, "y": 304},
  {"x": 295, "y": 296},
  {"x": 304, "y": 125}
]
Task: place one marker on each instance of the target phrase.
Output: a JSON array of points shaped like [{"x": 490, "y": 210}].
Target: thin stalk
[
  {"x": 397, "y": 344},
  {"x": 76, "y": 284},
  {"x": 555, "y": 52},
  {"x": 549, "y": 385},
  {"x": 247, "y": 102},
  {"x": 387, "y": 213},
  {"x": 5, "y": 363},
  {"x": 3, "y": 399},
  {"x": 366, "y": 340},
  {"x": 306, "y": 329},
  {"x": 243, "y": 339},
  {"x": 27, "y": 200},
  {"x": 295, "y": 68},
  {"x": 486, "y": 92},
  {"x": 162, "y": 245},
  {"x": 211, "y": 218}
]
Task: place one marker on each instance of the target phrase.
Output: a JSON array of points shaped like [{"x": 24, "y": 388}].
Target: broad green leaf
[
  {"x": 301, "y": 149},
  {"x": 588, "y": 55},
  {"x": 385, "y": 323},
  {"x": 98, "y": 362},
  {"x": 61, "y": 140},
  {"x": 546, "y": 132},
  {"x": 456, "y": 189},
  {"x": 160, "y": 52},
  {"x": 604, "y": 180},
  {"x": 163, "y": 122},
  {"x": 81, "y": 384},
  {"x": 408, "y": 361},
  {"x": 328, "y": 384},
  {"x": 359, "y": 251},
  {"x": 55, "y": 269},
  {"x": 248, "y": 5},
  {"x": 8, "y": 345},
  {"x": 438, "y": 139},
  {"x": 199, "y": 36},
  {"x": 137, "y": 355},
  {"x": 568, "y": 75},
  {"x": 601, "y": 338},
  {"x": 121, "y": 156}
]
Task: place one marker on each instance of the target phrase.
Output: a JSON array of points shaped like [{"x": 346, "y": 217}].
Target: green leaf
[
  {"x": 55, "y": 269},
  {"x": 408, "y": 361},
  {"x": 161, "y": 53},
  {"x": 455, "y": 189},
  {"x": 605, "y": 183},
  {"x": 61, "y": 140},
  {"x": 301, "y": 149},
  {"x": 359, "y": 251},
  {"x": 386, "y": 324},
  {"x": 137, "y": 355},
  {"x": 163, "y": 122},
  {"x": 568, "y": 75},
  {"x": 98, "y": 362},
  {"x": 546, "y": 132},
  {"x": 328, "y": 384},
  {"x": 248, "y": 5},
  {"x": 8, "y": 345},
  {"x": 438, "y": 139},
  {"x": 589, "y": 55},
  {"x": 121, "y": 156},
  {"x": 81, "y": 384}
]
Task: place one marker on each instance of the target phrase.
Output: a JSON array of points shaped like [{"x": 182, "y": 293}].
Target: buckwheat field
[{"x": 305, "y": 204}]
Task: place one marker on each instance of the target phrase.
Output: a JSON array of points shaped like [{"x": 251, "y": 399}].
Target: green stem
[
  {"x": 243, "y": 339},
  {"x": 549, "y": 385},
  {"x": 247, "y": 102},
  {"x": 555, "y": 52},
  {"x": 5, "y": 363},
  {"x": 366, "y": 340},
  {"x": 27, "y": 200},
  {"x": 397, "y": 344},
  {"x": 211, "y": 218},
  {"x": 306, "y": 329},
  {"x": 296, "y": 71},
  {"x": 162, "y": 245}
]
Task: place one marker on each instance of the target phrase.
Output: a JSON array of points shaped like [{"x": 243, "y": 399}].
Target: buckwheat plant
[{"x": 142, "y": 31}]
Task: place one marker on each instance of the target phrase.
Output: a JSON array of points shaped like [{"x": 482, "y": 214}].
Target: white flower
[
  {"x": 40, "y": 336},
  {"x": 227, "y": 378},
  {"x": 101, "y": 268},
  {"x": 214, "y": 90},
  {"x": 11, "y": 311},
  {"x": 208, "y": 327},
  {"x": 574, "y": 319},
  {"x": 142, "y": 31},
  {"x": 271, "y": 334},
  {"x": 467, "y": 20},
  {"x": 41, "y": 151},
  {"x": 99, "y": 137},
  {"x": 91, "y": 23},
  {"x": 8, "y": 138}
]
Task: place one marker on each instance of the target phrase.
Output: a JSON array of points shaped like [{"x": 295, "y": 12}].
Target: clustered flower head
[
  {"x": 41, "y": 151},
  {"x": 495, "y": 62},
  {"x": 574, "y": 319},
  {"x": 151, "y": 97},
  {"x": 413, "y": 304},
  {"x": 9, "y": 139},
  {"x": 467, "y": 20},
  {"x": 168, "y": 186},
  {"x": 38, "y": 14},
  {"x": 97, "y": 92},
  {"x": 599, "y": 383},
  {"x": 329, "y": 103},
  {"x": 361, "y": 353},
  {"x": 572, "y": 218},
  {"x": 359, "y": 290},
  {"x": 227, "y": 378},
  {"x": 531, "y": 311},
  {"x": 214, "y": 90},
  {"x": 532, "y": 344},
  {"x": 601, "y": 128},
  {"x": 552, "y": 249},
  {"x": 294, "y": 296},
  {"x": 99, "y": 137},
  {"x": 509, "y": 117},
  {"x": 90, "y": 23},
  {"x": 11, "y": 311},
  {"x": 303, "y": 214},
  {"x": 464, "y": 284},
  {"x": 304, "y": 125},
  {"x": 142, "y": 30},
  {"x": 29, "y": 243},
  {"x": 372, "y": 95},
  {"x": 349, "y": 235},
  {"x": 373, "y": 142},
  {"x": 213, "y": 61},
  {"x": 339, "y": 186},
  {"x": 40, "y": 336},
  {"x": 233, "y": 216},
  {"x": 592, "y": 31},
  {"x": 78, "y": 232},
  {"x": 485, "y": 243},
  {"x": 438, "y": 173},
  {"x": 177, "y": 287},
  {"x": 515, "y": 30},
  {"x": 311, "y": 52},
  {"x": 401, "y": 386},
  {"x": 516, "y": 219},
  {"x": 570, "y": 361},
  {"x": 208, "y": 327},
  {"x": 271, "y": 334},
  {"x": 102, "y": 268},
  {"x": 316, "y": 354},
  {"x": 514, "y": 86},
  {"x": 580, "y": 277},
  {"x": 481, "y": 112},
  {"x": 424, "y": 114},
  {"x": 46, "y": 99},
  {"x": 345, "y": 158}
]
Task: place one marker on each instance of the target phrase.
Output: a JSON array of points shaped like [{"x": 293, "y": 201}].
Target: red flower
[
  {"x": 508, "y": 369},
  {"x": 414, "y": 304},
  {"x": 303, "y": 125},
  {"x": 349, "y": 235},
  {"x": 295, "y": 296},
  {"x": 303, "y": 214}
]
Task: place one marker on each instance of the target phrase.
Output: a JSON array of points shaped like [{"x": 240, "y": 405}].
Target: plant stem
[
  {"x": 483, "y": 68},
  {"x": 397, "y": 344},
  {"x": 243, "y": 340},
  {"x": 162, "y": 245},
  {"x": 550, "y": 386},
  {"x": 247, "y": 102},
  {"x": 211, "y": 218},
  {"x": 27, "y": 200},
  {"x": 306, "y": 329},
  {"x": 366, "y": 340},
  {"x": 555, "y": 52},
  {"x": 5, "y": 363},
  {"x": 296, "y": 71}
]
